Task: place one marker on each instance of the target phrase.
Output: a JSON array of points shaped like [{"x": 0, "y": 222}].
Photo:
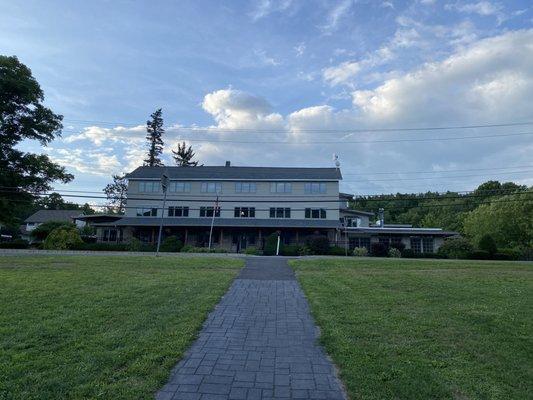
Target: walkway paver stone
[{"x": 258, "y": 343}]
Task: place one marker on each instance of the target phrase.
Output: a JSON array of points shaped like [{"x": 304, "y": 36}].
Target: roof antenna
[{"x": 336, "y": 161}]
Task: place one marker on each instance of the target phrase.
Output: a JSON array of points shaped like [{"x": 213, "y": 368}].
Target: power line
[
  {"x": 324, "y": 208},
  {"x": 271, "y": 130},
  {"x": 251, "y": 198},
  {"x": 211, "y": 200},
  {"x": 435, "y": 172},
  {"x": 298, "y": 143}
]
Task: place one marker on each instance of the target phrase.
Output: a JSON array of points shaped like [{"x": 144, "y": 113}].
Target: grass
[
  {"x": 425, "y": 329},
  {"x": 101, "y": 327}
]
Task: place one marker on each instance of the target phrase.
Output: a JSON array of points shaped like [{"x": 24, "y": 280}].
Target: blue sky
[{"x": 288, "y": 67}]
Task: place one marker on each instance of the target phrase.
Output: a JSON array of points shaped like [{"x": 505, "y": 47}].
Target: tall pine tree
[
  {"x": 154, "y": 129},
  {"x": 184, "y": 155}
]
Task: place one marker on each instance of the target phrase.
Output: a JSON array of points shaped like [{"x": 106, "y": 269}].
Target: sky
[{"x": 288, "y": 83}]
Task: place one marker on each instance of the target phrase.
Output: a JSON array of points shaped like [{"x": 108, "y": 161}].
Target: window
[
  {"x": 178, "y": 211},
  {"x": 208, "y": 212},
  {"x": 360, "y": 242},
  {"x": 149, "y": 186},
  {"x": 280, "y": 212},
  {"x": 416, "y": 244},
  {"x": 244, "y": 212},
  {"x": 315, "y": 187},
  {"x": 280, "y": 187},
  {"x": 427, "y": 245},
  {"x": 109, "y": 235},
  {"x": 245, "y": 187},
  {"x": 315, "y": 213},
  {"x": 211, "y": 187},
  {"x": 147, "y": 212},
  {"x": 179, "y": 187}
]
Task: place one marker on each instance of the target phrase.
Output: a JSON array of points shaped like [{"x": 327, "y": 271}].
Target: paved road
[{"x": 258, "y": 343}]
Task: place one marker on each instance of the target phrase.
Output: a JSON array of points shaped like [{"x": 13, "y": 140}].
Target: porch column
[{"x": 186, "y": 235}]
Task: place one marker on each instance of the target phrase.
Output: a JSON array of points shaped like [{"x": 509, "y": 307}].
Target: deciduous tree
[
  {"x": 24, "y": 117},
  {"x": 116, "y": 193}
]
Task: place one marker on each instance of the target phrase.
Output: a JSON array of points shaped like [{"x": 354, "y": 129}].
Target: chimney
[{"x": 228, "y": 163}]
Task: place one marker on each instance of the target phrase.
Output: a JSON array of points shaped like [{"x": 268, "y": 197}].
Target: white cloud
[
  {"x": 264, "y": 8},
  {"x": 300, "y": 49},
  {"x": 482, "y": 8},
  {"x": 477, "y": 83},
  {"x": 336, "y": 14},
  {"x": 342, "y": 73},
  {"x": 98, "y": 135},
  {"x": 235, "y": 109}
]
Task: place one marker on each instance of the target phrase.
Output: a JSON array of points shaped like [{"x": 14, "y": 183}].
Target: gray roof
[
  {"x": 402, "y": 231},
  {"x": 225, "y": 222},
  {"x": 356, "y": 212},
  {"x": 232, "y": 173},
  {"x": 53, "y": 215}
]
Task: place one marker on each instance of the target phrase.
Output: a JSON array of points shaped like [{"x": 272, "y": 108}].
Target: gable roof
[
  {"x": 232, "y": 173},
  {"x": 52, "y": 215}
]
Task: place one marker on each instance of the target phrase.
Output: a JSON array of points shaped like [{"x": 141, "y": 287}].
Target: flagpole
[{"x": 212, "y": 222}]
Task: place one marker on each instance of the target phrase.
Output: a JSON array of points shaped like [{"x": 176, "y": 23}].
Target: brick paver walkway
[{"x": 258, "y": 343}]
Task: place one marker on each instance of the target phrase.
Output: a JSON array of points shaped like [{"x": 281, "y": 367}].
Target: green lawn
[
  {"x": 425, "y": 329},
  {"x": 101, "y": 327}
]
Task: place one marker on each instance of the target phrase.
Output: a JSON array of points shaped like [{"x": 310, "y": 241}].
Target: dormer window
[
  {"x": 149, "y": 186},
  {"x": 211, "y": 187},
  {"x": 315, "y": 187},
  {"x": 280, "y": 187}
]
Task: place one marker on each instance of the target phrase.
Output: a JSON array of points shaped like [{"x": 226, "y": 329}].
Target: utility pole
[
  {"x": 345, "y": 236},
  {"x": 164, "y": 186},
  {"x": 215, "y": 208}
]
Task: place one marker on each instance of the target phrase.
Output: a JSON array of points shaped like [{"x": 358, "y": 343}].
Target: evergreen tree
[
  {"x": 24, "y": 117},
  {"x": 154, "y": 129},
  {"x": 184, "y": 155},
  {"x": 116, "y": 193}
]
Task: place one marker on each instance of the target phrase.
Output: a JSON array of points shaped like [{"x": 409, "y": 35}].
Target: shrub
[
  {"x": 479, "y": 255},
  {"x": 394, "y": 253},
  {"x": 41, "y": 232},
  {"x": 337, "y": 251},
  {"x": 513, "y": 254},
  {"x": 62, "y": 238},
  {"x": 87, "y": 230},
  {"x": 501, "y": 257},
  {"x": 290, "y": 250},
  {"x": 408, "y": 253},
  {"x": 15, "y": 244},
  {"x": 486, "y": 243},
  {"x": 318, "y": 244},
  {"x": 251, "y": 250},
  {"x": 134, "y": 244},
  {"x": 455, "y": 248},
  {"x": 378, "y": 249},
  {"x": 186, "y": 249},
  {"x": 360, "y": 252},
  {"x": 271, "y": 243},
  {"x": 171, "y": 244},
  {"x": 400, "y": 246}
]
